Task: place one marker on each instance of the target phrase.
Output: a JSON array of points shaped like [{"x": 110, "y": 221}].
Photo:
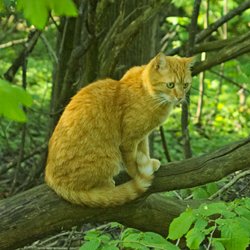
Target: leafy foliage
[
  {"x": 231, "y": 221},
  {"x": 127, "y": 239}
]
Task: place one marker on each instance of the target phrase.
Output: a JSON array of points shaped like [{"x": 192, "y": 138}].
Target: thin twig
[
  {"x": 164, "y": 144},
  {"x": 49, "y": 48},
  {"x": 230, "y": 183},
  {"x": 229, "y": 80},
  {"x": 13, "y": 43}
]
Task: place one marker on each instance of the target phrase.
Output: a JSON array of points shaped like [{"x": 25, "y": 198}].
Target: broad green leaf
[
  {"x": 200, "y": 223},
  {"x": 194, "y": 238},
  {"x": 93, "y": 245},
  {"x": 181, "y": 225},
  {"x": 92, "y": 235},
  {"x": 156, "y": 241},
  {"x": 237, "y": 237},
  {"x": 63, "y": 7},
  {"x": 105, "y": 238},
  {"x": 200, "y": 193},
  {"x": 216, "y": 243},
  {"x": 243, "y": 211},
  {"x": 244, "y": 224},
  {"x": 138, "y": 240},
  {"x": 11, "y": 100},
  {"x": 212, "y": 188},
  {"x": 128, "y": 232},
  {"x": 37, "y": 12},
  {"x": 213, "y": 208}
]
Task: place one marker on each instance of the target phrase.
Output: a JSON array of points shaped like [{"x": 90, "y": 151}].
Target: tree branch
[
  {"x": 39, "y": 211},
  {"x": 29, "y": 45},
  {"x": 220, "y": 44},
  {"x": 226, "y": 54},
  {"x": 214, "y": 26}
]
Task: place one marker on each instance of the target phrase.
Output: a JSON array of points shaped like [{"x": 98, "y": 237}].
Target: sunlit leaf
[
  {"x": 37, "y": 12},
  {"x": 181, "y": 225},
  {"x": 12, "y": 98}
]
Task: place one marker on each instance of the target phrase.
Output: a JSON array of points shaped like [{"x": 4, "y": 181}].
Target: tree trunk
[{"x": 39, "y": 211}]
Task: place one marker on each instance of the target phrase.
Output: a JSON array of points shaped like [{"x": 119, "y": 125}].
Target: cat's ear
[
  {"x": 160, "y": 61},
  {"x": 190, "y": 61}
]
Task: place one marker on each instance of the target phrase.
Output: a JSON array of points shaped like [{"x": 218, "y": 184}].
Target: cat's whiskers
[{"x": 159, "y": 100}]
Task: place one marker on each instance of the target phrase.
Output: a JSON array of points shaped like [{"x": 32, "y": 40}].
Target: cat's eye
[
  {"x": 185, "y": 85},
  {"x": 170, "y": 85}
]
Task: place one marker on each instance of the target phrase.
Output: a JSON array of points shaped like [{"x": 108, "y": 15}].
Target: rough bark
[{"x": 38, "y": 212}]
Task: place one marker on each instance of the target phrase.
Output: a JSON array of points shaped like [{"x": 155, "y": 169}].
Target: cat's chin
[{"x": 179, "y": 103}]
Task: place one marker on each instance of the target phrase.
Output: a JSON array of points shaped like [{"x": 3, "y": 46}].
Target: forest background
[{"x": 50, "y": 49}]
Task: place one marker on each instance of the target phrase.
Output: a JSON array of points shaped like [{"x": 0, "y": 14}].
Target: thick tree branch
[
  {"x": 220, "y": 44},
  {"x": 226, "y": 54},
  {"x": 39, "y": 211}
]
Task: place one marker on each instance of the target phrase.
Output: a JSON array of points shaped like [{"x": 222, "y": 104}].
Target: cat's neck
[{"x": 133, "y": 75}]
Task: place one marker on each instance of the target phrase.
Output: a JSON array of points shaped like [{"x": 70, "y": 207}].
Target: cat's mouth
[{"x": 179, "y": 102}]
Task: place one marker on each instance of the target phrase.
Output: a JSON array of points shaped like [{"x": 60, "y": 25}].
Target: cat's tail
[{"x": 107, "y": 196}]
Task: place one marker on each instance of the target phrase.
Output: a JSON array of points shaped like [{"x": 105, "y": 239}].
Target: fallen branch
[{"x": 39, "y": 211}]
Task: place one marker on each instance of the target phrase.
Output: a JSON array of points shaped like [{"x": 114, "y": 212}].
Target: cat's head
[{"x": 168, "y": 77}]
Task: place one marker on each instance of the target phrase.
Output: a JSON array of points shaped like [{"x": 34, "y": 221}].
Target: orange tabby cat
[{"x": 106, "y": 126}]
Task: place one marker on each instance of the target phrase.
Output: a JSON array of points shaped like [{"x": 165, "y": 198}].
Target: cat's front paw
[{"x": 155, "y": 164}]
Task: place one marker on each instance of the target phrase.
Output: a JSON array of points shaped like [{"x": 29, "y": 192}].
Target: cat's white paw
[
  {"x": 147, "y": 170},
  {"x": 156, "y": 164}
]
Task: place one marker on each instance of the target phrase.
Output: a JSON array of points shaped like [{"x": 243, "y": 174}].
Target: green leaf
[
  {"x": 63, "y": 7},
  {"x": 105, "y": 238},
  {"x": 216, "y": 243},
  {"x": 201, "y": 223},
  {"x": 247, "y": 203},
  {"x": 109, "y": 247},
  {"x": 200, "y": 193},
  {"x": 11, "y": 100},
  {"x": 156, "y": 241},
  {"x": 37, "y": 12},
  {"x": 181, "y": 225},
  {"x": 236, "y": 236},
  {"x": 92, "y": 235},
  {"x": 243, "y": 211},
  {"x": 1, "y": 5},
  {"x": 93, "y": 245},
  {"x": 137, "y": 240},
  {"x": 212, "y": 188},
  {"x": 194, "y": 238},
  {"x": 213, "y": 208}
]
